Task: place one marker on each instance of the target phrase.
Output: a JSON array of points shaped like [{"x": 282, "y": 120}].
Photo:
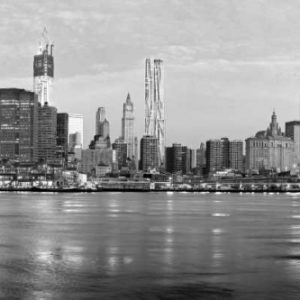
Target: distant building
[
  {"x": 270, "y": 150},
  {"x": 186, "y": 160},
  {"x": 75, "y": 140},
  {"x": 93, "y": 157},
  {"x": 43, "y": 70},
  {"x": 47, "y": 127},
  {"x": 62, "y": 135},
  {"x": 292, "y": 130},
  {"x": 155, "y": 105},
  {"x": 76, "y": 127},
  {"x": 18, "y": 125},
  {"x": 201, "y": 159},
  {"x": 235, "y": 159},
  {"x": 193, "y": 158},
  {"x": 102, "y": 124},
  {"x": 224, "y": 154},
  {"x": 149, "y": 153},
  {"x": 128, "y": 127},
  {"x": 174, "y": 163},
  {"x": 121, "y": 152}
]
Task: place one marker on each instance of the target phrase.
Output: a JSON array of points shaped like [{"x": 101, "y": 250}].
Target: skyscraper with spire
[
  {"x": 128, "y": 127},
  {"x": 43, "y": 70},
  {"x": 155, "y": 105}
]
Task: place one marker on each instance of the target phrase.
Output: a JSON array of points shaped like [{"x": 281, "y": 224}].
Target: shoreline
[{"x": 129, "y": 190}]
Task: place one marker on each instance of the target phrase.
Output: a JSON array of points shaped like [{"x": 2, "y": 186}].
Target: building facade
[
  {"x": 128, "y": 127},
  {"x": 121, "y": 151},
  {"x": 292, "y": 130},
  {"x": 149, "y": 153},
  {"x": 224, "y": 154},
  {"x": 75, "y": 132},
  {"x": 235, "y": 155},
  {"x": 18, "y": 125},
  {"x": 43, "y": 71},
  {"x": 62, "y": 135},
  {"x": 270, "y": 150},
  {"x": 174, "y": 158},
  {"x": 155, "y": 105},
  {"x": 47, "y": 133}
]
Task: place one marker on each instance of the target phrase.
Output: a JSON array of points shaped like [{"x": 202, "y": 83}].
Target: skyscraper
[
  {"x": 102, "y": 124},
  {"x": 18, "y": 125},
  {"x": 47, "y": 122},
  {"x": 100, "y": 117},
  {"x": 62, "y": 135},
  {"x": 75, "y": 131},
  {"x": 154, "y": 105},
  {"x": 128, "y": 127},
  {"x": 43, "y": 70},
  {"x": 149, "y": 153}
]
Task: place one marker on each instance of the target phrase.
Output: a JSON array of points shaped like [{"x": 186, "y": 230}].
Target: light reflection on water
[{"x": 155, "y": 245}]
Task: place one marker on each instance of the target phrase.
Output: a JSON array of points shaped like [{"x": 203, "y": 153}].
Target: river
[{"x": 149, "y": 246}]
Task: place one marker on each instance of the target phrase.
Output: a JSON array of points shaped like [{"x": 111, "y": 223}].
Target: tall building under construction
[
  {"x": 155, "y": 105},
  {"x": 43, "y": 70}
]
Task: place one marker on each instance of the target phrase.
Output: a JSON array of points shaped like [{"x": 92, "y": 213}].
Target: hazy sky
[{"x": 228, "y": 63}]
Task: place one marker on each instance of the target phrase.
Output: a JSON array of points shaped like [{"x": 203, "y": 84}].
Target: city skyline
[{"x": 221, "y": 59}]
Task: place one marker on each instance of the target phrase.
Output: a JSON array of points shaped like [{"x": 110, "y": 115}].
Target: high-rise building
[
  {"x": 217, "y": 155},
  {"x": 174, "y": 158},
  {"x": 235, "y": 159},
  {"x": 100, "y": 117},
  {"x": 47, "y": 128},
  {"x": 62, "y": 135},
  {"x": 270, "y": 150},
  {"x": 18, "y": 125},
  {"x": 193, "y": 158},
  {"x": 128, "y": 127},
  {"x": 102, "y": 125},
  {"x": 201, "y": 159},
  {"x": 120, "y": 148},
  {"x": 154, "y": 105},
  {"x": 43, "y": 70},
  {"x": 292, "y": 130},
  {"x": 75, "y": 131},
  {"x": 222, "y": 154},
  {"x": 186, "y": 160},
  {"x": 149, "y": 153}
]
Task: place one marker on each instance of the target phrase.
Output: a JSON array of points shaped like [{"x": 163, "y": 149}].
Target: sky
[{"x": 227, "y": 63}]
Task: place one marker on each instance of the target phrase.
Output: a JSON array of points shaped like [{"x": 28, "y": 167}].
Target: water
[{"x": 149, "y": 246}]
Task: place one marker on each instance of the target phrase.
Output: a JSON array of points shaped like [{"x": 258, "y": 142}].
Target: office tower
[
  {"x": 292, "y": 130},
  {"x": 128, "y": 127},
  {"x": 47, "y": 127},
  {"x": 270, "y": 150},
  {"x": 120, "y": 148},
  {"x": 235, "y": 159},
  {"x": 174, "y": 158},
  {"x": 201, "y": 159},
  {"x": 154, "y": 105},
  {"x": 217, "y": 152},
  {"x": 75, "y": 132},
  {"x": 100, "y": 117},
  {"x": 43, "y": 70},
  {"x": 18, "y": 125},
  {"x": 186, "y": 160},
  {"x": 193, "y": 154},
  {"x": 62, "y": 135},
  {"x": 149, "y": 153},
  {"x": 102, "y": 125}
]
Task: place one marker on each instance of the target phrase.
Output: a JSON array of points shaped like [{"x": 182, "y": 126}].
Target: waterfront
[{"x": 149, "y": 246}]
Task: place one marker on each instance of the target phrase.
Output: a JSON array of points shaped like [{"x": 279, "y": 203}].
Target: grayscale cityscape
[{"x": 152, "y": 152}]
